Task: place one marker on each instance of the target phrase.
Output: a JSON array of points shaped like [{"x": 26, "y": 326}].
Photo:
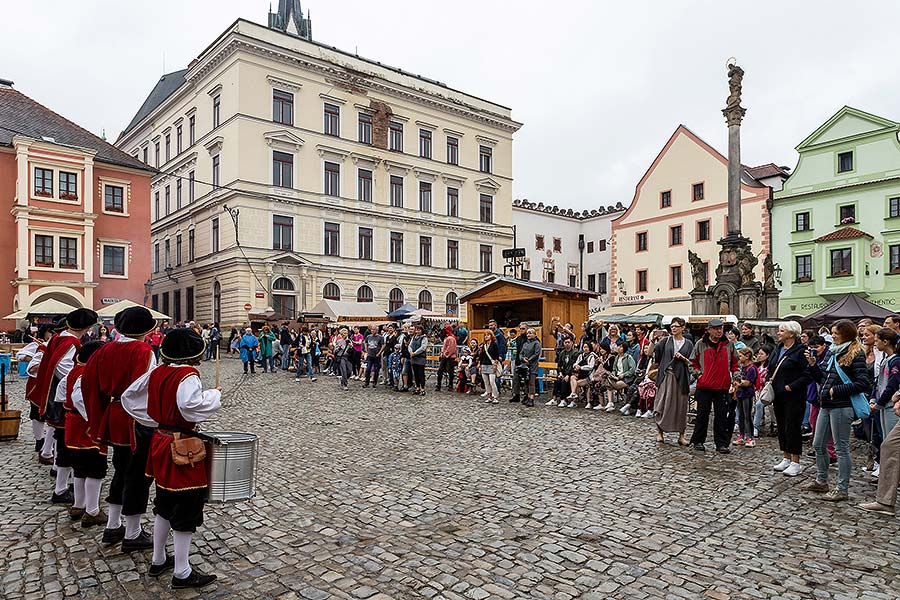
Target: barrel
[
  {"x": 9, "y": 424},
  {"x": 232, "y": 466}
]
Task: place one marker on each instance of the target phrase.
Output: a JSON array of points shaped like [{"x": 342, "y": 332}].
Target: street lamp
[
  {"x": 169, "y": 271},
  {"x": 621, "y": 285},
  {"x": 776, "y": 270}
]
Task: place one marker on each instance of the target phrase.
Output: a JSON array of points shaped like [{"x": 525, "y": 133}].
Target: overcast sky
[{"x": 600, "y": 86}]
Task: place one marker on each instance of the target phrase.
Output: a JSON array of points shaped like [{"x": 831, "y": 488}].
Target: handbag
[
  {"x": 859, "y": 401},
  {"x": 767, "y": 393},
  {"x": 187, "y": 450}
]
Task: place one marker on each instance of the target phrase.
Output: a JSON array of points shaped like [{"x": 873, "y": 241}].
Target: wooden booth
[{"x": 511, "y": 301}]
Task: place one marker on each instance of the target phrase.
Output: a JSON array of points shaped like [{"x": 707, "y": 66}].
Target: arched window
[
  {"x": 452, "y": 304},
  {"x": 217, "y": 302},
  {"x": 283, "y": 284},
  {"x": 331, "y": 292},
  {"x": 395, "y": 300},
  {"x": 425, "y": 300},
  {"x": 364, "y": 294}
]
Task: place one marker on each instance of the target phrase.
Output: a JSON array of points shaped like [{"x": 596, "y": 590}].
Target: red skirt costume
[
  {"x": 31, "y": 384},
  {"x": 108, "y": 373},
  {"x": 77, "y": 436},
  {"x": 162, "y": 407},
  {"x": 44, "y": 390}
]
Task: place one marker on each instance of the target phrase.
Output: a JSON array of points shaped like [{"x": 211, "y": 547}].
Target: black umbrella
[{"x": 403, "y": 312}]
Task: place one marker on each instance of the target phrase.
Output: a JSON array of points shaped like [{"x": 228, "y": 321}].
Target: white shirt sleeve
[
  {"x": 134, "y": 400},
  {"x": 195, "y": 403},
  {"x": 34, "y": 363},
  {"x": 61, "y": 390},
  {"x": 66, "y": 363},
  {"x": 78, "y": 399},
  {"x": 27, "y": 352}
]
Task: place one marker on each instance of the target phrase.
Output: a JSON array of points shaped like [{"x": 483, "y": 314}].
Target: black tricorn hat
[
  {"x": 43, "y": 328},
  {"x": 58, "y": 325},
  {"x": 81, "y": 318},
  {"x": 84, "y": 353},
  {"x": 134, "y": 321},
  {"x": 182, "y": 344}
]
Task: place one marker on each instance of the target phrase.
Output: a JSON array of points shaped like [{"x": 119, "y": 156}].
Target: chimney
[{"x": 6, "y": 83}]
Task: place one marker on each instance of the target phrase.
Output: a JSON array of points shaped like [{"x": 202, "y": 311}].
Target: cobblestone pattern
[{"x": 365, "y": 494}]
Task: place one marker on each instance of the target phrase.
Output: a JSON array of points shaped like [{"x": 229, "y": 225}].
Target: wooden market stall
[{"x": 511, "y": 301}]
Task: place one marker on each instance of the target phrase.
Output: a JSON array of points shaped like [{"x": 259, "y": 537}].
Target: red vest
[
  {"x": 56, "y": 349},
  {"x": 77, "y": 437},
  {"x": 162, "y": 407},
  {"x": 108, "y": 373},
  {"x": 31, "y": 384}
]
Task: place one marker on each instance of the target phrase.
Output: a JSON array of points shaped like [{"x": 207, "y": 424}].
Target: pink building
[{"x": 77, "y": 223}]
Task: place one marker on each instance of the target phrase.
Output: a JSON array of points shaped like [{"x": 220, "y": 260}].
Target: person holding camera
[
  {"x": 565, "y": 363},
  {"x": 529, "y": 357}
]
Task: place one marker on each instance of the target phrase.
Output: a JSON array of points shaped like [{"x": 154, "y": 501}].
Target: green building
[{"x": 836, "y": 221}]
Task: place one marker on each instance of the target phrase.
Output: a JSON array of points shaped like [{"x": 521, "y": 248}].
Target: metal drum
[{"x": 232, "y": 466}]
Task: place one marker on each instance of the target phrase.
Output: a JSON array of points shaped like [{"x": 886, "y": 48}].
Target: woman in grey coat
[
  {"x": 530, "y": 355},
  {"x": 672, "y": 382}
]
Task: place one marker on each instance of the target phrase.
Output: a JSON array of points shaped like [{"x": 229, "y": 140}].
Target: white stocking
[
  {"x": 132, "y": 526},
  {"x": 182, "y": 553},
  {"x": 92, "y": 495},
  {"x": 161, "y": 529},
  {"x": 49, "y": 443},
  {"x": 37, "y": 428},
  {"x": 115, "y": 516},
  {"x": 62, "y": 479},
  {"x": 79, "y": 492}
]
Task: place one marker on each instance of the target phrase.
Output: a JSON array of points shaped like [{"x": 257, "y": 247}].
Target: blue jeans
[
  {"x": 268, "y": 363},
  {"x": 285, "y": 359},
  {"x": 834, "y": 422},
  {"x": 304, "y": 360}
]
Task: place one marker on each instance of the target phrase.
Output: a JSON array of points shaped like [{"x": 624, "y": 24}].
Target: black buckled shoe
[
  {"x": 196, "y": 579},
  {"x": 67, "y": 497},
  {"x": 113, "y": 536},
  {"x": 142, "y": 542},
  {"x": 75, "y": 514},
  {"x": 157, "y": 570}
]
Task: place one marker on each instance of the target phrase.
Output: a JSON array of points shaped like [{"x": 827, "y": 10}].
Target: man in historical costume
[
  {"x": 171, "y": 399},
  {"x": 57, "y": 361},
  {"x": 88, "y": 457},
  {"x": 32, "y": 353},
  {"x": 107, "y": 374}
]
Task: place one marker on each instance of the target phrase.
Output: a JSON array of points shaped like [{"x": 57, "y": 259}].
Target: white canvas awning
[
  {"x": 350, "y": 311},
  {"x": 112, "y": 309},
  {"x": 50, "y": 306}
]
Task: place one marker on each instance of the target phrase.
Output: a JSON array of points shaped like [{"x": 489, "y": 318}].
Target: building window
[
  {"x": 68, "y": 253},
  {"x": 590, "y": 247},
  {"x": 452, "y": 202},
  {"x": 178, "y": 140},
  {"x": 592, "y": 282},
  {"x": 549, "y": 276},
  {"x": 282, "y": 107},
  {"x": 176, "y": 304},
  {"x": 43, "y": 182},
  {"x": 425, "y": 251},
  {"x": 332, "y": 179},
  {"x": 282, "y": 169},
  {"x": 573, "y": 280},
  {"x": 192, "y": 132},
  {"x": 803, "y": 268},
  {"x": 168, "y": 254},
  {"x": 396, "y": 247},
  {"x": 601, "y": 283},
  {"x": 332, "y": 120},
  {"x": 641, "y": 245},
  {"x": 178, "y": 194},
  {"x": 894, "y": 207},
  {"x": 168, "y": 147},
  {"x": 156, "y": 204},
  {"x": 424, "y": 143},
  {"x": 114, "y": 260},
  {"x": 425, "y": 302},
  {"x": 485, "y": 209},
  {"x": 178, "y": 250},
  {"x": 114, "y": 198},
  {"x": 331, "y": 291},
  {"x": 801, "y": 221},
  {"x": 283, "y": 284},
  {"x": 675, "y": 235},
  {"x": 215, "y": 171},
  {"x": 703, "y": 231},
  {"x": 665, "y": 199},
  {"x": 452, "y": 304},
  {"x": 395, "y": 299},
  {"x": 365, "y": 243},
  {"x": 146, "y": 159},
  {"x": 168, "y": 200},
  {"x": 538, "y": 242},
  {"x": 841, "y": 265},
  {"x": 485, "y": 159},
  {"x": 189, "y": 303},
  {"x": 165, "y": 302},
  {"x": 68, "y": 186},
  {"x": 486, "y": 259},
  {"x": 396, "y": 191},
  {"x": 894, "y": 259},
  {"x": 602, "y": 247},
  {"x": 557, "y": 244},
  {"x": 217, "y": 106},
  {"x": 642, "y": 281},
  {"x": 424, "y": 196},
  {"x": 395, "y": 136},
  {"x": 332, "y": 239},
  {"x": 365, "y": 294},
  {"x": 452, "y": 254},
  {"x": 365, "y": 128},
  {"x": 282, "y": 233},
  {"x": 697, "y": 191},
  {"x": 191, "y": 245},
  {"x": 215, "y": 235},
  {"x": 156, "y": 257},
  {"x": 190, "y": 187},
  {"x": 848, "y": 213},
  {"x": 452, "y": 150},
  {"x": 156, "y": 152},
  {"x": 845, "y": 161},
  {"x": 675, "y": 277},
  {"x": 364, "y": 185}
]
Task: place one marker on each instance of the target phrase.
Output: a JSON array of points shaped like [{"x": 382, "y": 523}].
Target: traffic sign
[
  {"x": 514, "y": 253},
  {"x": 248, "y": 307}
]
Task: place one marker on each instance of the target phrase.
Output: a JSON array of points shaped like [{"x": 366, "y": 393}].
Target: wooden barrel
[{"x": 9, "y": 424}]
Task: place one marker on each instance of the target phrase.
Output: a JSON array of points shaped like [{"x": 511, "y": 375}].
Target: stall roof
[
  {"x": 648, "y": 319},
  {"x": 850, "y": 307},
  {"x": 536, "y": 285},
  {"x": 350, "y": 311},
  {"x": 112, "y": 310},
  {"x": 51, "y": 306}
]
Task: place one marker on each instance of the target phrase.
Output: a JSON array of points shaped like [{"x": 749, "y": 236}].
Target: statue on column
[
  {"x": 768, "y": 273},
  {"x": 723, "y": 302},
  {"x": 735, "y": 76},
  {"x": 746, "y": 263},
  {"x": 698, "y": 271}
]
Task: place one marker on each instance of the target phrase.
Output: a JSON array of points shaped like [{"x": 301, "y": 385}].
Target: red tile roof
[
  {"x": 767, "y": 170},
  {"x": 844, "y": 233}
]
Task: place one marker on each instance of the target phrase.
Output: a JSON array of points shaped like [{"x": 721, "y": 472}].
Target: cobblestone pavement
[{"x": 365, "y": 494}]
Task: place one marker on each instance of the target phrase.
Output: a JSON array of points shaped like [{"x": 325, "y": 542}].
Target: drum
[{"x": 232, "y": 466}]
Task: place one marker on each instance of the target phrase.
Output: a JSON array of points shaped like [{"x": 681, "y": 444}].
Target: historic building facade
[
  {"x": 838, "y": 215},
  {"x": 681, "y": 204},
  {"x": 343, "y": 179},
  {"x": 78, "y": 228},
  {"x": 567, "y": 247}
]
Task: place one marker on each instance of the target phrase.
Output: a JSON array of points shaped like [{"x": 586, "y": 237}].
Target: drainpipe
[{"x": 581, "y": 260}]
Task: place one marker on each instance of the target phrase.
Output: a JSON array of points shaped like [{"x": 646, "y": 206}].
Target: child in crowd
[
  {"x": 394, "y": 368},
  {"x": 745, "y": 393}
]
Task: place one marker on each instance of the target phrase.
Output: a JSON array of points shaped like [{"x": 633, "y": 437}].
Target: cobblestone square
[{"x": 369, "y": 494}]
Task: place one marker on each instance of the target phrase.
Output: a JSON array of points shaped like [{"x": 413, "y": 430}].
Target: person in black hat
[
  {"x": 32, "y": 354},
  {"x": 715, "y": 358},
  {"x": 181, "y": 490},
  {"x": 106, "y": 376}
]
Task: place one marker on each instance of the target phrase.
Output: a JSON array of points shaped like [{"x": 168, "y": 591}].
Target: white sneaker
[
  {"x": 793, "y": 470},
  {"x": 563, "y": 404},
  {"x": 485, "y": 395},
  {"x": 598, "y": 407},
  {"x": 488, "y": 400},
  {"x": 551, "y": 402},
  {"x": 625, "y": 410},
  {"x": 610, "y": 407},
  {"x": 648, "y": 414},
  {"x": 876, "y": 471},
  {"x": 638, "y": 414},
  {"x": 572, "y": 396},
  {"x": 587, "y": 405},
  {"x": 784, "y": 464}
]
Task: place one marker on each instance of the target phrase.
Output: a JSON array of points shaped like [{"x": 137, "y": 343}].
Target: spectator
[
  {"x": 356, "y": 353},
  {"x": 286, "y": 340},
  {"x": 673, "y": 379},
  {"x": 530, "y": 356},
  {"x": 762, "y": 414},
  {"x": 232, "y": 344},
  {"x": 155, "y": 339},
  {"x": 304, "y": 353},
  {"x": 892, "y": 322},
  {"x": 447, "y": 363},
  {"x": 715, "y": 359},
  {"x": 789, "y": 376},
  {"x": 499, "y": 338},
  {"x": 565, "y": 363},
  {"x": 248, "y": 347},
  {"x": 623, "y": 367},
  {"x": 266, "y": 350},
  {"x": 818, "y": 347},
  {"x": 489, "y": 359},
  {"x": 341, "y": 356},
  {"x": 580, "y": 374},
  {"x": 418, "y": 354},
  {"x": 749, "y": 338},
  {"x": 515, "y": 349},
  {"x": 745, "y": 392},
  {"x": 374, "y": 345}
]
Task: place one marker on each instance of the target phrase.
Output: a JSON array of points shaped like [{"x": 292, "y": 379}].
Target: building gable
[{"x": 846, "y": 124}]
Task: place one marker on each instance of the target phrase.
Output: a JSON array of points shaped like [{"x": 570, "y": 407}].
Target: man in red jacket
[{"x": 715, "y": 359}]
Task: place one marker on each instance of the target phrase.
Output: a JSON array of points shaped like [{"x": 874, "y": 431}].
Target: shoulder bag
[
  {"x": 767, "y": 393},
  {"x": 859, "y": 401}
]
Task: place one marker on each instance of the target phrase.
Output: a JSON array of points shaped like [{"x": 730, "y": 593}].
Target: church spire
[{"x": 290, "y": 19}]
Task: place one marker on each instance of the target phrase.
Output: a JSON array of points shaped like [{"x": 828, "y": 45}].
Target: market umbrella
[
  {"x": 850, "y": 307},
  {"x": 114, "y": 309},
  {"x": 402, "y": 312},
  {"x": 49, "y": 307}
]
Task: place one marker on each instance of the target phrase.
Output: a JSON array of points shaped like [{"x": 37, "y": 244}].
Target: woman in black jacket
[
  {"x": 789, "y": 375},
  {"x": 846, "y": 363}
]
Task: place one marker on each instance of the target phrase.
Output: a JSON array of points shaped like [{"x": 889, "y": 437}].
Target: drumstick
[{"x": 217, "y": 366}]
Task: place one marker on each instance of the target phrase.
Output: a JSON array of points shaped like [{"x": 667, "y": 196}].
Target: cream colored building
[
  {"x": 681, "y": 204},
  {"x": 351, "y": 180}
]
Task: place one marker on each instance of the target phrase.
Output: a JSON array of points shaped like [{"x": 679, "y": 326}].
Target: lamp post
[{"x": 169, "y": 271}]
